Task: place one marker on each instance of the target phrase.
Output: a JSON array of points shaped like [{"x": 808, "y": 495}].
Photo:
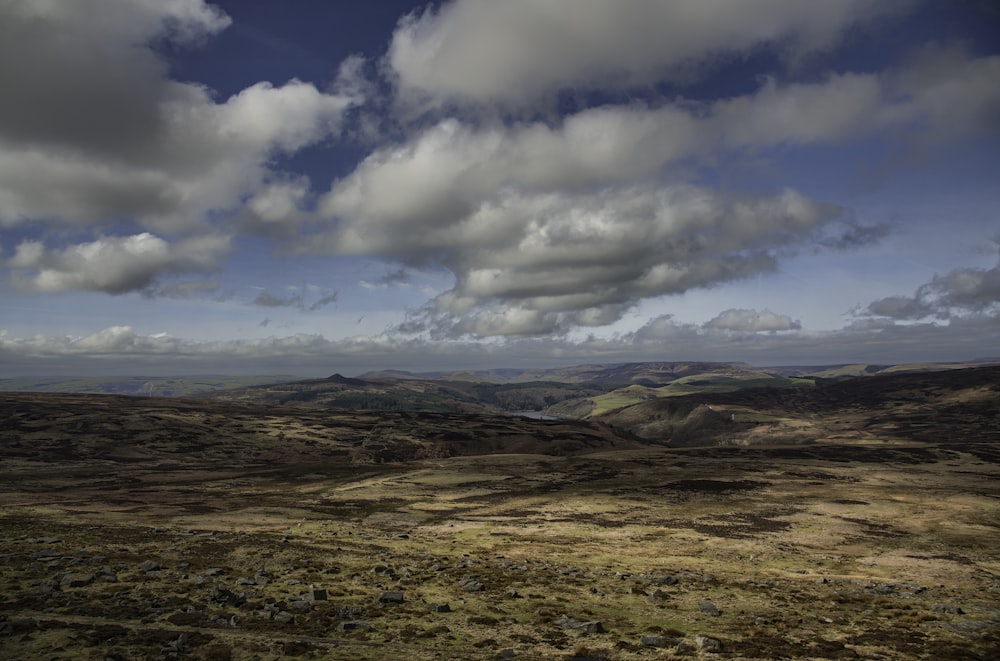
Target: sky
[{"x": 309, "y": 187}]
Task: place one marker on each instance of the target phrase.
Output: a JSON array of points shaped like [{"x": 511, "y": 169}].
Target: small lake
[{"x": 534, "y": 415}]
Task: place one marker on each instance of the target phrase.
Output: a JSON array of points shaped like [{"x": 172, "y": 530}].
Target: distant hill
[
  {"x": 147, "y": 386},
  {"x": 410, "y": 393},
  {"x": 959, "y": 405}
]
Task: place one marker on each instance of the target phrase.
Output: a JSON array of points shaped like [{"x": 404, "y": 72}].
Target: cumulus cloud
[
  {"x": 322, "y": 302},
  {"x": 547, "y": 227},
  {"x": 295, "y": 299},
  {"x": 546, "y": 263},
  {"x": 122, "y": 348},
  {"x": 753, "y": 321},
  {"x": 113, "y": 265},
  {"x": 93, "y": 131},
  {"x": 521, "y": 52},
  {"x": 959, "y": 292},
  {"x": 266, "y": 299}
]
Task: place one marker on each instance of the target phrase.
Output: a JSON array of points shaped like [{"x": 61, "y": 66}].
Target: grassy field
[{"x": 226, "y": 533}]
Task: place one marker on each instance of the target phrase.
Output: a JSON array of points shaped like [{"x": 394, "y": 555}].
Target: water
[{"x": 534, "y": 415}]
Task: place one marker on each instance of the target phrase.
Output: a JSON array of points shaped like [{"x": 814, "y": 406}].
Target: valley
[{"x": 223, "y": 528}]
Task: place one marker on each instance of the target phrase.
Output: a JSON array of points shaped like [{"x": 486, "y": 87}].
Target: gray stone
[
  {"x": 657, "y": 596},
  {"x": 683, "y": 649},
  {"x": 708, "y": 608},
  {"x": 107, "y": 573},
  {"x": 390, "y": 597},
  {"x": 473, "y": 586},
  {"x": 586, "y": 627},
  {"x": 77, "y": 580},
  {"x": 653, "y": 641},
  {"x": 354, "y": 625},
  {"x": 947, "y": 608},
  {"x": 284, "y": 617},
  {"x": 316, "y": 594},
  {"x": 708, "y": 644},
  {"x": 148, "y": 565},
  {"x": 439, "y": 608}
]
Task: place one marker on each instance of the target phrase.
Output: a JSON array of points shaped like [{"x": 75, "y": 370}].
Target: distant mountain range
[{"x": 671, "y": 403}]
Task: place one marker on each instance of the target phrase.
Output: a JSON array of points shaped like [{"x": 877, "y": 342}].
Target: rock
[
  {"x": 284, "y": 617},
  {"x": 213, "y": 571},
  {"x": 439, "y": 608},
  {"x": 107, "y": 573},
  {"x": 683, "y": 649},
  {"x": 665, "y": 580},
  {"x": 473, "y": 586},
  {"x": 77, "y": 580},
  {"x": 708, "y": 608},
  {"x": 316, "y": 595},
  {"x": 586, "y": 627},
  {"x": 947, "y": 608},
  {"x": 354, "y": 625},
  {"x": 300, "y": 605},
  {"x": 390, "y": 597},
  {"x": 657, "y": 596},
  {"x": 148, "y": 565},
  {"x": 653, "y": 641},
  {"x": 707, "y": 644}
]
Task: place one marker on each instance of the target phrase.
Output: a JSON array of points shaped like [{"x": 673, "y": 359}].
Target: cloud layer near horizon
[{"x": 555, "y": 159}]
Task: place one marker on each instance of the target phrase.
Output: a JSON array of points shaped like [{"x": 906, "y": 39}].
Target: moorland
[{"x": 669, "y": 510}]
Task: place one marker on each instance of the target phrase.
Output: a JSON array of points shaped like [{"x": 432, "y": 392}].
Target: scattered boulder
[
  {"x": 149, "y": 565},
  {"x": 656, "y": 641},
  {"x": 708, "y": 644},
  {"x": 107, "y": 573},
  {"x": 390, "y": 597},
  {"x": 657, "y": 596},
  {"x": 283, "y": 617},
  {"x": 77, "y": 580},
  {"x": 472, "y": 585},
  {"x": 439, "y": 608},
  {"x": 586, "y": 627},
  {"x": 708, "y": 608},
  {"x": 354, "y": 625}
]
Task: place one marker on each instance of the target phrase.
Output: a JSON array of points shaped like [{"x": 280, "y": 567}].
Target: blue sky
[{"x": 315, "y": 187}]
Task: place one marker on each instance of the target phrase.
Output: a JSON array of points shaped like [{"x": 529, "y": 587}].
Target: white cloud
[
  {"x": 521, "y": 52},
  {"x": 753, "y": 321},
  {"x": 93, "y": 132},
  {"x": 551, "y": 227},
  {"x": 124, "y": 350},
  {"x": 114, "y": 265},
  {"x": 962, "y": 292}
]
